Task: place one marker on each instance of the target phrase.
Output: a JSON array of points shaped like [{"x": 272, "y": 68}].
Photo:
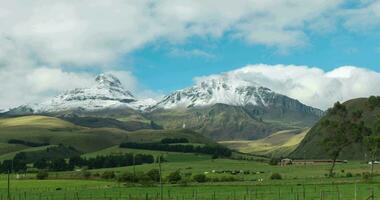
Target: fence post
[{"x": 356, "y": 191}]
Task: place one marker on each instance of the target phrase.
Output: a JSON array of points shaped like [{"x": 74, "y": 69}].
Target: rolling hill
[
  {"x": 55, "y": 131},
  {"x": 362, "y": 110},
  {"x": 279, "y": 144}
]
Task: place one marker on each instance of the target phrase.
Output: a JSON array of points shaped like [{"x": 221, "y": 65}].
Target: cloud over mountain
[
  {"x": 310, "y": 85},
  {"x": 47, "y": 47}
]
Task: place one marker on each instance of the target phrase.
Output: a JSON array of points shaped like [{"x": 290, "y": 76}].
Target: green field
[
  {"x": 242, "y": 176},
  {"x": 299, "y": 182},
  {"x": 68, "y": 189},
  {"x": 279, "y": 144}
]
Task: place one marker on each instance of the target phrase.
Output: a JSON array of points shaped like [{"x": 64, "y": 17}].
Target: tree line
[
  {"x": 27, "y": 143},
  {"x": 215, "y": 150},
  {"x": 19, "y": 162},
  {"x": 174, "y": 140}
]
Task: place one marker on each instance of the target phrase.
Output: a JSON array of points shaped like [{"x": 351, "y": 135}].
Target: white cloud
[
  {"x": 365, "y": 17},
  {"x": 310, "y": 85},
  {"x": 86, "y": 33},
  {"x": 38, "y": 37}
]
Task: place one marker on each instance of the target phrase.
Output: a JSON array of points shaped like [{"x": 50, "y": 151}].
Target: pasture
[{"x": 298, "y": 182}]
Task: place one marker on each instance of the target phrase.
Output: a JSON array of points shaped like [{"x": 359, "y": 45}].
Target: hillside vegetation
[
  {"x": 363, "y": 111},
  {"x": 54, "y": 131},
  {"x": 279, "y": 144}
]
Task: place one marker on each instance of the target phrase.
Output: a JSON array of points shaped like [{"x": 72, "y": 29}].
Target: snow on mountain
[
  {"x": 218, "y": 90},
  {"x": 107, "y": 92}
]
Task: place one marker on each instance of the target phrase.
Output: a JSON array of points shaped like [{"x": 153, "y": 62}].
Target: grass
[
  {"x": 298, "y": 180},
  {"x": 278, "y": 144},
  {"x": 107, "y": 190},
  {"x": 52, "y": 130},
  {"x": 9, "y": 156},
  {"x": 169, "y": 156}
]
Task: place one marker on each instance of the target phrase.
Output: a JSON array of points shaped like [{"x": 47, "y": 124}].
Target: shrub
[
  {"x": 174, "y": 177},
  {"x": 143, "y": 178},
  {"x": 41, "y": 175},
  {"x": 154, "y": 175},
  {"x": 126, "y": 177},
  {"x": 108, "y": 175},
  {"x": 276, "y": 176},
  {"x": 366, "y": 176},
  {"x": 228, "y": 179},
  {"x": 200, "y": 178},
  {"x": 349, "y": 174},
  {"x": 274, "y": 161},
  {"x": 86, "y": 174}
]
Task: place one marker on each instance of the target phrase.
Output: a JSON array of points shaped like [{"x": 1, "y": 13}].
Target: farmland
[{"x": 298, "y": 181}]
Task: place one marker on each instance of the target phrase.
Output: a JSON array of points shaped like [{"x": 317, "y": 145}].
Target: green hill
[
  {"x": 279, "y": 144},
  {"x": 359, "y": 110},
  {"x": 51, "y": 130},
  {"x": 55, "y": 131}
]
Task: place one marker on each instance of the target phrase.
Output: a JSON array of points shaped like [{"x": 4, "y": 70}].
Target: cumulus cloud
[
  {"x": 310, "y": 85},
  {"x": 38, "y": 37},
  {"x": 96, "y": 32}
]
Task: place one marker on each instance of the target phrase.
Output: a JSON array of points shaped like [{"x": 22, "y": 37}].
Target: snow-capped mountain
[
  {"x": 224, "y": 90},
  {"x": 107, "y": 92}
]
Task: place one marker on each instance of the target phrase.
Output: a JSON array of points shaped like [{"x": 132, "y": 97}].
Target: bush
[
  {"x": 108, "y": 175},
  {"x": 228, "y": 179},
  {"x": 349, "y": 174},
  {"x": 154, "y": 175},
  {"x": 366, "y": 176},
  {"x": 174, "y": 177},
  {"x": 41, "y": 175},
  {"x": 276, "y": 176},
  {"x": 200, "y": 178},
  {"x": 274, "y": 161},
  {"x": 126, "y": 177},
  {"x": 143, "y": 178},
  {"x": 86, "y": 174}
]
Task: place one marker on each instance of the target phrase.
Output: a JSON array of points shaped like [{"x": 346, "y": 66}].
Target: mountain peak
[{"x": 108, "y": 80}]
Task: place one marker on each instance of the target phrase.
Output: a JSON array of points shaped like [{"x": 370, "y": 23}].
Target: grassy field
[
  {"x": 69, "y": 189},
  {"x": 43, "y": 129},
  {"x": 298, "y": 181},
  {"x": 278, "y": 144},
  {"x": 52, "y": 130},
  {"x": 169, "y": 156}
]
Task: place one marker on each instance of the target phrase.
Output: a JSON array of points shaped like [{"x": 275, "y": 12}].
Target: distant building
[{"x": 287, "y": 161}]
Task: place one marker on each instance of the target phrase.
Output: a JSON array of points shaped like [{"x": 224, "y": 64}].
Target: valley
[{"x": 200, "y": 142}]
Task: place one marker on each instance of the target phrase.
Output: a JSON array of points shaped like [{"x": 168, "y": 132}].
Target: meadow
[{"x": 298, "y": 182}]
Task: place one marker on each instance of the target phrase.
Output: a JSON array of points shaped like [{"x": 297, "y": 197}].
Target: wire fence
[{"x": 300, "y": 192}]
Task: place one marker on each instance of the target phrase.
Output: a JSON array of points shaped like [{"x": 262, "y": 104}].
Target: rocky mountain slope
[
  {"x": 106, "y": 93},
  {"x": 226, "y": 109},
  {"x": 220, "y": 108}
]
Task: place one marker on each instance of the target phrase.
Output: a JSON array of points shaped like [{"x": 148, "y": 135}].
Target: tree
[
  {"x": 174, "y": 177},
  {"x": 200, "y": 178},
  {"x": 41, "y": 175},
  {"x": 373, "y": 146},
  {"x": 341, "y": 132},
  {"x": 41, "y": 164},
  {"x": 276, "y": 176},
  {"x": 154, "y": 175}
]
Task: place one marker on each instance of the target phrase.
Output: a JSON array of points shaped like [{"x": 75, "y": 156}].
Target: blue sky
[
  {"x": 157, "y": 46},
  {"x": 157, "y": 68}
]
